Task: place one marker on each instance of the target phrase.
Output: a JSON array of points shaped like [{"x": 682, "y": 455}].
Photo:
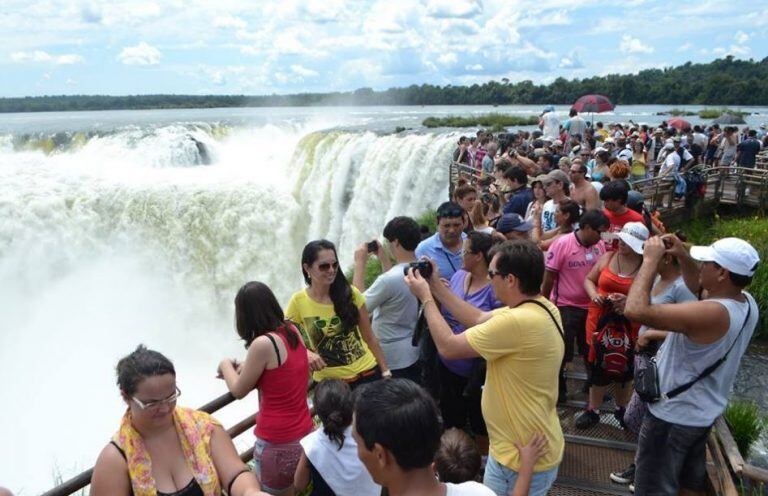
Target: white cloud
[
  {"x": 70, "y": 82},
  {"x": 474, "y": 67},
  {"x": 741, "y": 37},
  {"x": 227, "y": 22},
  {"x": 571, "y": 61},
  {"x": 446, "y": 9},
  {"x": 684, "y": 47},
  {"x": 447, "y": 58},
  {"x": 736, "y": 50},
  {"x": 633, "y": 45},
  {"x": 303, "y": 71},
  {"x": 141, "y": 54},
  {"x": 41, "y": 56}
]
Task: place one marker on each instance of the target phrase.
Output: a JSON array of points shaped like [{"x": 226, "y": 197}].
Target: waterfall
[{"x": 112, "y": 239}]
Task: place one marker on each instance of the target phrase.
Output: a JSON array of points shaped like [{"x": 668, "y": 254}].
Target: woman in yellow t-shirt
[
  {"x": 334, "y": 322},
  {"x": 638, "y": 161}
]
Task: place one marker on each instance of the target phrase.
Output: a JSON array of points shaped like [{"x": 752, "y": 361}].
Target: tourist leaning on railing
[
  {"x": 164, "y": 449},
  {"x": 276, "y": 364}
]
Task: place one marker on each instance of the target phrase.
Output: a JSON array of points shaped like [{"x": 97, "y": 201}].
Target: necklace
[{"x": 620, "y": 272}]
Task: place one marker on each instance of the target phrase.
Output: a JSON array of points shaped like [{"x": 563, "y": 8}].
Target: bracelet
[
  {"x": 424, "y": 303},
  {"x": 387, "y": 374}
]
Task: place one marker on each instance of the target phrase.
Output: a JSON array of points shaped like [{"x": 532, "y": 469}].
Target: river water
[{"x": 127, "y": 227}]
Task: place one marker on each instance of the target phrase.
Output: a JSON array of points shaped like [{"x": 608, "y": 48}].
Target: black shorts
[
  {"x": 598, "y": 377},
  {"x": 670, "y": 457},
  {"x": 574, "y": 326},
  {"x": 457, "y": 409}
]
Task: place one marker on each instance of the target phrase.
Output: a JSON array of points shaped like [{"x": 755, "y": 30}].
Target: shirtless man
[{"x": 582, "y": 191}]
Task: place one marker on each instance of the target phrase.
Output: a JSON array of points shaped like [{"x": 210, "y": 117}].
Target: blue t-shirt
[
  {"x": 748, "y": 150},
  {"x": 447, "y": 261},
  {"x": 518, "y": 202}
]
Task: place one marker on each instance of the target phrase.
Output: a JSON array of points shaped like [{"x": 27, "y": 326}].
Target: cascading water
[{"x": 117, "y": 238}]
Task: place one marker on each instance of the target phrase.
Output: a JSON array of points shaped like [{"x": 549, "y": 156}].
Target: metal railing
[{"x": 83, "y": 479}]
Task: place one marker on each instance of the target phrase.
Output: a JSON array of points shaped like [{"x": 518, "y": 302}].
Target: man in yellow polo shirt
[{"x": 523, "y": 345}]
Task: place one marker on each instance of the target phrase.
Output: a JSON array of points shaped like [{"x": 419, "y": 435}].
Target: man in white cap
[{"x": 700, "y": 359}]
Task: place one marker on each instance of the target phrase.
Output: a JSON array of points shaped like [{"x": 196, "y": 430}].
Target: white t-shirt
[
  {"x": 341, "y": 469},
  {"x": 672, "y": 162},
  {"x": 551, "y": 125},
  {"x": 469, "y": 488},
  {"x": 548, "y": 216}
]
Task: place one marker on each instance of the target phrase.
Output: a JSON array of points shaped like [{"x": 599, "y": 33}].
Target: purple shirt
[{"x": 484, "y": 299}]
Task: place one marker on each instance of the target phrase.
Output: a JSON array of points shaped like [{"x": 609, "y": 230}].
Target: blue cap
[{"x": 513, "y": 222}]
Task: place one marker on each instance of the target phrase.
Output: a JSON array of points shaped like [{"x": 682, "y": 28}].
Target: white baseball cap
[
  {"x": 733, "y": 254},
  {"x": 633, "y": 234}
]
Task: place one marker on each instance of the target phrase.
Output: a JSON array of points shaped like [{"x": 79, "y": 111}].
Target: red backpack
[{"x": 614, "y": 348}]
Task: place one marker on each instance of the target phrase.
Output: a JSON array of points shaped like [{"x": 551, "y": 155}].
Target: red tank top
[{"x": 283, "y": 412}]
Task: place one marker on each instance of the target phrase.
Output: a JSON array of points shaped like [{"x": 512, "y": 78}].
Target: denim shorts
[
  {"x": 502, "y": 479},
  {"x": 275, "y": 464},
  {"x": 670, "y": 457}
]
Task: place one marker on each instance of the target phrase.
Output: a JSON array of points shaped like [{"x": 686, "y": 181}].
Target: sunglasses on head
[
  {"x": 325, "y": 267},
  {"x": 453, "y": 212}
]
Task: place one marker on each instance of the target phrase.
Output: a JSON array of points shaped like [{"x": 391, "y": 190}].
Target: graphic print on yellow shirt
[{"x": 344, "y": 352}]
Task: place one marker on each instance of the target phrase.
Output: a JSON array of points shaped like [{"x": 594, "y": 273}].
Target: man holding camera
[
  {"x": 518, "y": 399},
  {"x": 395, "y": 310},
  {"x": 700, "y": 358}
]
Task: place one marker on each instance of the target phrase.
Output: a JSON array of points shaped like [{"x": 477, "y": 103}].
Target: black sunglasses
[
  {"x": 494, "y": 273},
  {"x": 325, "y": 267},
  {"x": 453, "y": 212}
]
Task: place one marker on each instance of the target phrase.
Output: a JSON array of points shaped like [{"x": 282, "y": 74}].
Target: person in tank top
[
  {"x": 162, "y": 449},
  {"x": 715, "y": 330},
  {"x": 276, "y": 364}
]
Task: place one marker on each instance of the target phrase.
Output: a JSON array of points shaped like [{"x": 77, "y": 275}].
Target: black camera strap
[
  {"x": 557, "y": 324},
  {"x": 707, "y": 371}
]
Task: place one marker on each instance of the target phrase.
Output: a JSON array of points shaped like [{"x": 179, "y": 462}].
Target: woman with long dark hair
[
  {"x": 276, "y": 364},
  {"x": 334, "y": 321}
]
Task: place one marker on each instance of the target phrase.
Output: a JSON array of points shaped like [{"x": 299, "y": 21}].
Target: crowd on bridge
[{"x": 443, "y": 376}]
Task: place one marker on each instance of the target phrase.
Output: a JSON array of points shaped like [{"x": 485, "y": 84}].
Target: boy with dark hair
[
  {"x": 397, "y": 429},
  {"x": 394, "y": 309},
  {"x": 614, "y": 196},
  {"x": 521, "y": 195}
]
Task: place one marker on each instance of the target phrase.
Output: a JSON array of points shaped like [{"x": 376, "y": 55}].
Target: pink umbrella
[
  {"x": 679, "y": 123},
  {"x": 593, "y": 103}
]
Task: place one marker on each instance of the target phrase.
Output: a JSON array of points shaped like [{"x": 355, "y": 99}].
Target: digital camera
[{"x": 423, "y": 266}]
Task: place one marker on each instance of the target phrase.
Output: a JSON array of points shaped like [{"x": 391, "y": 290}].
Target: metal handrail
[{"x": 83, "y": 479}]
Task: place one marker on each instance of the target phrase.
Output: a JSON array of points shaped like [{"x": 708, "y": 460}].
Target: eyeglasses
[
  {"x": 325, "y": 267},
  {"x": 494, "y": 273},
  {"x": 157, "y": 403}
]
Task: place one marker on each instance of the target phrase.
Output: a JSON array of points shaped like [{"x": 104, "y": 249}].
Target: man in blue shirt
[
  {"x": 747, "y": 150},
  {"x": 444, "y": 247},
  {"x": 521, "y": 196}
]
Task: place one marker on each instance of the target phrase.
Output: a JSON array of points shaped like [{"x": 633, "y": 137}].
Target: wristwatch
[{"x": 387, "y": 374}]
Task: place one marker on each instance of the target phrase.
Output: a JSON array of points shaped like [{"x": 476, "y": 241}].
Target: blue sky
[{"x": 287, "y": 46}]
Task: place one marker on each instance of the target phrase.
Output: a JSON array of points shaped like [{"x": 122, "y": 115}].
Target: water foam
[{"x": 103, "y": 247}]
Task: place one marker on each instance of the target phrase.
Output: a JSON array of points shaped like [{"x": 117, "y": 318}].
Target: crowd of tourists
[{"x": 443, "y": 376}]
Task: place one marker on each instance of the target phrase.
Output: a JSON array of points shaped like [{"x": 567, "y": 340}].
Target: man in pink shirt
[{"x": 568, "y": 261}]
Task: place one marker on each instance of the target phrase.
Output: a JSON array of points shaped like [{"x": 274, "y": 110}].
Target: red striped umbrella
[
  {"x": 593, "y": 103},
  {"x": 679, "y": 123}
]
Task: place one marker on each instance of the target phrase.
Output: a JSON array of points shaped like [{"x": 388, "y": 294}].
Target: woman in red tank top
[
  {"x": 276, "y": 364},
  {"x": 607, "y": 285}
]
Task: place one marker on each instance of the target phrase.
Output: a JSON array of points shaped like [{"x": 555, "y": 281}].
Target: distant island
[{"x": 724, "y": 81}]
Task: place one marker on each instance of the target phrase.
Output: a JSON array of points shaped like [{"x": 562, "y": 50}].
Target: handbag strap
[
  {"x": 707, "y": 371},
  {"x": 557, "y": 324}
]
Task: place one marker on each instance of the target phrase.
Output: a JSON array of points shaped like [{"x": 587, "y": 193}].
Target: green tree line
[{"x": 724, "y": 81}]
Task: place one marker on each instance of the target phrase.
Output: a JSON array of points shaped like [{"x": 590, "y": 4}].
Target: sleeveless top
[
  {"x": 681, "y": 360},
  {"x": 283, "y": 412},
  {"x": 607, "y": 282}
]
